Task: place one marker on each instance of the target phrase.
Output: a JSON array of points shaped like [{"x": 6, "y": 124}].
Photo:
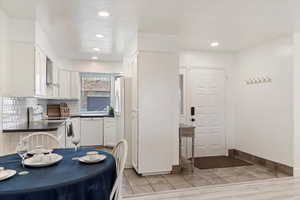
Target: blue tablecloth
[{"x": 67, "y": 180}]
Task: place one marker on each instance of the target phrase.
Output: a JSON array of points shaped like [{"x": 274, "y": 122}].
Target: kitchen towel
[{"x": 70, "y": 130}]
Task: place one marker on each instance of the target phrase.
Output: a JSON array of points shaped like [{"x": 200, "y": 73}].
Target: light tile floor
[
  {"x": 269, "y": 189},
  {"x": 135, "y": 184}
]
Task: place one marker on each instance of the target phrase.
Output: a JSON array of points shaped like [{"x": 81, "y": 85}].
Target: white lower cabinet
[
  {"x": 91, "y": 131},
  {"x": 110, "y": 132}
]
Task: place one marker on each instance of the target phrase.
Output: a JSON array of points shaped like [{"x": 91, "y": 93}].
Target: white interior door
[{"x": 207, "y": 96}]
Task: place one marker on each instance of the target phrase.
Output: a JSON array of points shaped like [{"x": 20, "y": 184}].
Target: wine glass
[
  {"x": 22, "y": 152},
  {"x": 76, "y": 141}
]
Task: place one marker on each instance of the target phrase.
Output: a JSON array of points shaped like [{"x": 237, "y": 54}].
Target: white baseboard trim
[{"x": 155, "y": 173}]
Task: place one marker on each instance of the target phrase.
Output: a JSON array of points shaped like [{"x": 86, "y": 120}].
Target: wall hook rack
[{"x": 258, "y": 80}]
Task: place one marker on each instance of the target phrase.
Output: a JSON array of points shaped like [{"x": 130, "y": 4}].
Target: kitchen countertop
[
  {"x": 48, "y": 125},
  {"x": 88, "y": 115},
  {"x": 35, "y": 127}
]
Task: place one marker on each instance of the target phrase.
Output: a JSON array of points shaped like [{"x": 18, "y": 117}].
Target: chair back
[
  {"x": 45, "y": 140},
  {"x": 120, "y": 155}
]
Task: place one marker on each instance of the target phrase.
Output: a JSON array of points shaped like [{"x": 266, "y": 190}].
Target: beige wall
[
  {"x": 296, "y": 104},
  {"x": 264, "y": 112},
  {"x": 3, "y": 48}
]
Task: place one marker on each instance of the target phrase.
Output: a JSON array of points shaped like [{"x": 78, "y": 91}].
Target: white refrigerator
[{"x": 123, "y": 112}]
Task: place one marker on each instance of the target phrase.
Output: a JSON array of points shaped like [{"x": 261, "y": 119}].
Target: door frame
[{"x": 185, "y": 71}]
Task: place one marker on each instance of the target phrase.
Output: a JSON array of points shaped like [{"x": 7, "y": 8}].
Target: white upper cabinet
[
  {"x": 40, "y": 73},
  {"x": 19, "y": 55},
  {"x": 19, "y": 71},
  {"x": 75, "y": 85},
  {"x": 24, "y": 73},
  {"x": 64, "y": 84},
  {"x": 69, "y": 84},
  {"x": 55, "y": 86}
]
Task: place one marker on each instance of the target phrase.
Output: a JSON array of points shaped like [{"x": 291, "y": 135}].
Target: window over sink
[{"x": 96, "y": 92}]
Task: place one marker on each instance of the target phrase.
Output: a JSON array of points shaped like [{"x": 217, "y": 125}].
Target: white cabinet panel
[
  {"x": 75, "y": 85},
  {"x": 69, "y": 84},
  {"x": 135, "y": 84},
  {"x": 91, "y": 131},
  {"x": 40, "y": 72},
  {"x": 55, "y": 88},
  {"x": 37, "y": 72},
  {"x": 110, "y": 132},
  {"x": 19, "y": 71},
  {"x": 134, "y": 139},
  {"x": 154, "y": 75},
  {"x": 64, "y": 84}
]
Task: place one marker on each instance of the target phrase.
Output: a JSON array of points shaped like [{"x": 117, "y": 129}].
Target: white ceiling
[
  {"x": 19, "y": 9},
  {"x": 235, "y": 24}
]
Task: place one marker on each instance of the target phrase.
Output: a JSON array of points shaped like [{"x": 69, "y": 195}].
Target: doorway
[{"x": 205, "y": 94}]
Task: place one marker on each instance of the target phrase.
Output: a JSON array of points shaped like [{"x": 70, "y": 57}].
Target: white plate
[
  {"x": 50, "y": 159},
  {"x": 7, "y": 174},
  {"x": 36, "y": 151},
  {"x": 85, "y": 159}
]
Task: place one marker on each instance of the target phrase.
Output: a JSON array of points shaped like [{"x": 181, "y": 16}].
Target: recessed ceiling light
[
  {"x": 103, "y": 14},
  {"x": 99, "y": 36},
  {"x": 96, "y": 49},
  {"x": 214, "y": 44},
  {"x": 95, "y": 58}
]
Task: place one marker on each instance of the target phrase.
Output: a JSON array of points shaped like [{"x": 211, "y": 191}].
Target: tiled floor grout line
[
  {"x": 150, "y": 184},
  {"x": 128, "y": 182},
  {"x": 189, "y": 182},
  {"x": 177, "y": 194},
  {"x": 186, "y": 179},
  {"x": 173, "y": 187}
]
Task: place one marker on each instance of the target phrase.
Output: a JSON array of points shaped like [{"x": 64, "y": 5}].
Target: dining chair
[
  {"x": 120, "y": 155},
  {"x": 45, "y": 140}
]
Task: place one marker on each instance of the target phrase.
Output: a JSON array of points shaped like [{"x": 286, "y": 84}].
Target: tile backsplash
[
  {"x": 14, "y": 109},
  {"x": 72, "y": 104}
]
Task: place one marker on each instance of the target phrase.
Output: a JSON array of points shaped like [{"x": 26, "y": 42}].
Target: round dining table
[{"x": 67, "y": 180}]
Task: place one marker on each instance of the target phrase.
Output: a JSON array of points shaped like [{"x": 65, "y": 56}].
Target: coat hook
[{"x": 259, "y": 80}]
